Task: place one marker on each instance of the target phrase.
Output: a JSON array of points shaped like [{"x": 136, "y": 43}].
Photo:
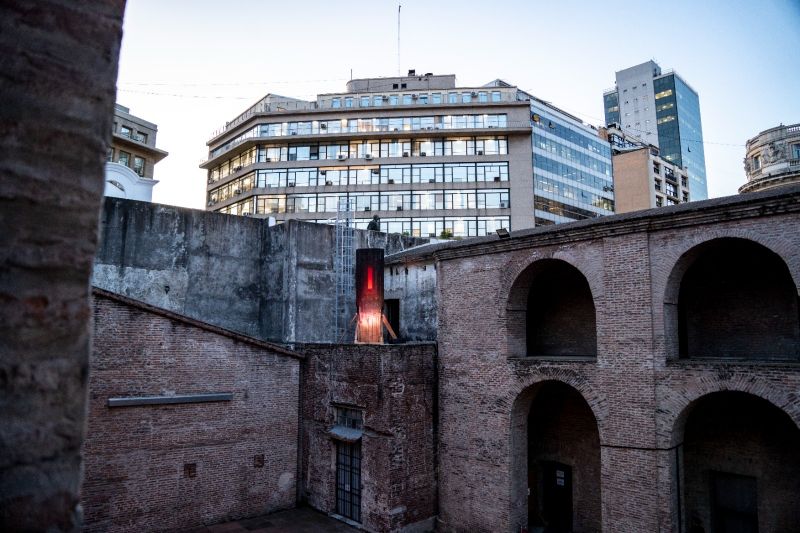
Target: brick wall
[
  {"x": 395, "y": 387},
  {"x": 136, "y": 473},
  {"x": 639, "y": 392}
]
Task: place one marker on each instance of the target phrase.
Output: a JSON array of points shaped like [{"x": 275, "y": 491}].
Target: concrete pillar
[{"x": 58, "y": 68}]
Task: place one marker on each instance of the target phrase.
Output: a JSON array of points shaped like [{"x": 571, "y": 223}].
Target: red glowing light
[{"x": 370, "y": 274}]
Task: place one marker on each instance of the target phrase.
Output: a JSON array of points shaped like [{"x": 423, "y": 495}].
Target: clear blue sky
[{"x": 190, "y": 66}]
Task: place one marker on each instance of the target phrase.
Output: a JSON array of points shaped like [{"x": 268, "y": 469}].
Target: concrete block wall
[
  {"x": 162, "y": 467},
  {"x": 395, "y": 386}
]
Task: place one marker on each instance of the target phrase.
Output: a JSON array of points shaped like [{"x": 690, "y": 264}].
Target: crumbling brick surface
[
  {"x": 394, "y": 385},
  {"x": 161, "y": 467}
]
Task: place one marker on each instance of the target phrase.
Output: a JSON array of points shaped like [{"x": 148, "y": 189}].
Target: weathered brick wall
[
  {"x": 395, "y": 386},
  {"x": 135, "y": 456},
  {"x": 638, "y": 391},
  {"x": 58, "y": 68}
]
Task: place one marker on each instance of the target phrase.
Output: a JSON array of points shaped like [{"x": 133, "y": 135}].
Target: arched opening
[
  {"x": 557, "y": 461},
  {"x": 551, "y": 312},
  {"x": 741, "y": 466},
  {"x": 735, "y": 299}
]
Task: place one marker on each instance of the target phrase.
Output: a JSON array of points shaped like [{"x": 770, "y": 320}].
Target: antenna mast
[{"x": 398, "y": 38}]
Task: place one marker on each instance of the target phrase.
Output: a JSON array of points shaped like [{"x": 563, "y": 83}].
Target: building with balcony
[
  {"x": 428, "y": 157},
  {"x": 661, "y": 109},
  {"x": 773, "y": 159},
  {"x": 642, "y": 178},
  {"x": 132, "y": 156}
]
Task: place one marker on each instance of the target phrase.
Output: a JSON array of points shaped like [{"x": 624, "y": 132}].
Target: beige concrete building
[
  {"x": 132, "y": 156},
  {"x": 428, "y": 157},
  {"x": 773, "y": 159},
  {"x": 642, "y": 178}
]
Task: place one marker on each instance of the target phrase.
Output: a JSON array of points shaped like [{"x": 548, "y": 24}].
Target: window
[
  {"x": 756, "y": 162},
  {"x": 124, "y": 158},
  {"x": 423, "y": 99},
  {"x": 141, "y": 137},
  {"x": 436, "y": 98},
  {"x": 466, "y": 98},
  {"x": 138, "y": 165},
  {"x": 407, "y": 100},
  {"x": 110, "y": 155},
  {"x": 495, "y": 96},
  {"x": 348, "y": 101},
  {"x": 125, "y": 131},
  {"x": 364, "y": 101},
  {"x": 393, "y": 99},
  {"x": 452, "y": 98},
  {"x": 796, "y": 151},
  {"x": 663, "y": 94},
  {"x": 349, "y": 418},
  {"x": 336, "y": 102},
  {"x": 377, "y": 100}
]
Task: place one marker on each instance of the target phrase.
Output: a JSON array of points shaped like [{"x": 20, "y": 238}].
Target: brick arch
[
  {"x": 667, "y": 285},
  {"x": 671, "y": 265},
  {"x": 521, "y": 399},
  {"x": 678, "y": 402},
  {"x": 517, "y": 276}
]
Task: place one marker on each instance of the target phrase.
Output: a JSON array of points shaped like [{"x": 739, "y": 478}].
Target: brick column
[{"x": 58, "y": 67}]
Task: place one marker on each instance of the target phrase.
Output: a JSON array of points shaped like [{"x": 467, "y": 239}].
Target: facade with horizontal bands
[{"x": 427, "y": 157}]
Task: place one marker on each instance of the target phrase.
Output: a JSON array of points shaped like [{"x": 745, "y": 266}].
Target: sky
[{"x": 189, "y": 66}]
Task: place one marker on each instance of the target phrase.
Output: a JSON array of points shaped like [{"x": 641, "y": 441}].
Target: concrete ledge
[{"x": 164, "y": 400}]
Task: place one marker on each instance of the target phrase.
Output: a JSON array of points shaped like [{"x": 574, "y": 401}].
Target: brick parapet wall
[
  {"x": 635, "y": 391},
  {"x": 134, "y": 456},
  {"x": 395, "y": 386}
]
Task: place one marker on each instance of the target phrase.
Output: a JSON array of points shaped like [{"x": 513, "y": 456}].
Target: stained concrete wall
[
  {"x": 274, "y": 283},
  {"x": 414, "y": 285}
]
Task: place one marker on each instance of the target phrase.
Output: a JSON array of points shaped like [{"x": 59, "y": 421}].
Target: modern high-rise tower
[{"x": 661, "y": 109}]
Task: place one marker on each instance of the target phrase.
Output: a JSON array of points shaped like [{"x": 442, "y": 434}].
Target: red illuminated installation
[{"x": 369, "y": 297}]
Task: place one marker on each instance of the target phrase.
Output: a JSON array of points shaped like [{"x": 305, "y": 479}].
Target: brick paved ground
[{"x": 300, "y": 520}]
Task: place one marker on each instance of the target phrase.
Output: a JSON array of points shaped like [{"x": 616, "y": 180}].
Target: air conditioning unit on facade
[
  {"x": 422, "y": 154},
  {"x": 497, "y": 178},
  {"x": 399, "y": 207},
  {"x": 341, "y": 157},
  {"x": 328, "y": 183},
  {"x": 323, "y": 126},
  {"x": 503, "y": 204},
  {"x": 294, "y": 133},
  {"x": 211, "y": 180},
  {"x": 246, "y": 214},
  {"x": 406, "y": 154},
  {"x": 323, "y": 172},
  {"x": 390, "y": 181},
  {"x": 480, "y": 152},
  {"x": 237, "y": 191},
  {"x": 367, "y": 208},
  {"x": 376, "y": 171},
  {"x": 237, "y": 169},
  {"x": 290, "y": 184}
]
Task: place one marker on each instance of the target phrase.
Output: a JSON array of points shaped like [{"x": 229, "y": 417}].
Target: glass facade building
[
  {"x": 572, "y": 170},
  {"x": 644, "y": 95}
]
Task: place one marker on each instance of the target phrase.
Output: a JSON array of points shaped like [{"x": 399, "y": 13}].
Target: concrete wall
[
  {"x": 276, "y": 283},
  {"x": 637, "y": 390},
  {"x": 243, "y": 451},
  {"x": 414, "y": 285},
  {"x": 58, "y": 70},
  {"x": 395, "y": 386}
]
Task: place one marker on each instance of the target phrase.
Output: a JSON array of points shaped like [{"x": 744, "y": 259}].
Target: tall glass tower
[{"x": 661, "y": 109}]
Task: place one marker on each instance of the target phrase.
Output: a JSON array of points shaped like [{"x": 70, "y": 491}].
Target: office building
[
  {"x": 428, "y": 157},
  {"x": 132, "y": 156},
  {"x": 642, "y": 178},
  {"x": 773, "y": 159},
  {"x": 661, "y": 109}
]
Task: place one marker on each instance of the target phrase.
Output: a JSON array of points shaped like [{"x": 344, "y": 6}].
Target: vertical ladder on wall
[{"x": 343, "y": 266}]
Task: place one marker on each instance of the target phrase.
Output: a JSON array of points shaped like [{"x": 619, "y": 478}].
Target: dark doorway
[
  {"x": 734, "y": 503},
  {"x": 563, "y": 446},
  {"x": 557, "y": 496},
  {"x": 348, "y": 480},
  {"x": 392, "y": 310}
]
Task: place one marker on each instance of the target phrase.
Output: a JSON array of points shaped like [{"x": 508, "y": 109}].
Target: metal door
[{"x": 348, "y": 480}]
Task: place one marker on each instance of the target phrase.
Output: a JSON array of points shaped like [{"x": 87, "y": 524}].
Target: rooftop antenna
[{"x": 398, "y": 38}]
